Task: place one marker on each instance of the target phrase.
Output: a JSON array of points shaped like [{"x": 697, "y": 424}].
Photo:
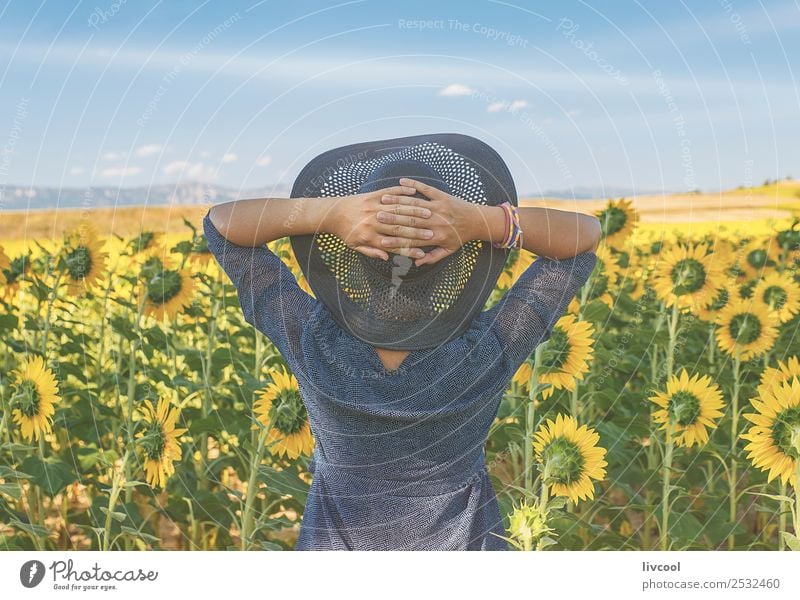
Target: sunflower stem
[
  {"x": 206, "y": 404},
  {"x": 131, "y": 392},
  {"x": 102, "y": 336},
  {"x": 112, "y": 499},
  {"x": 252, "y": 481},
  {"x": 51, "y": 298},
  {"x": 673, "y": 335},
  {"x": 782, "y": 516},
  {"x": 258, "y": 355},
  {"x": 734, "y": 435},
  {"x": 665, "y": 489},
  {"x": 533, "y": 390},
  {"x": 39, "y": 496},
  {"x": 543, "y": 501}
]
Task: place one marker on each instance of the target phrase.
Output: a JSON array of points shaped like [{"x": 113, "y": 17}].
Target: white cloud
[
  {"x": 120, "y": 171},
  {"x": 264, "y": 161},
  {"x": 229, "y": 158},
  {"x": 199, "y": 170},
  {"x": 456, "y": 89},
  {"x": 573, "y": 112},
  {"x": 112, "y": 156},
  {"x": 149, "y": 149},
  {"x": 76, "y": 170},
  {"x": 176, "y": 166},
  {"x": 509, "y": 106}
]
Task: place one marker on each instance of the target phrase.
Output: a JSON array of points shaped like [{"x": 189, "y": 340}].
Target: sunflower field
[{"x": 138, "y": 410}]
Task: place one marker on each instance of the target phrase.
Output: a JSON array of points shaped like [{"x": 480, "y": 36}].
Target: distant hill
[
  {"x": 33, "y": 198},
  {"x": 15, "y": 197}
]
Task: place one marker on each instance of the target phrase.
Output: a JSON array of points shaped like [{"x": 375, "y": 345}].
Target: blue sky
[{"x": 645, "y": 95}]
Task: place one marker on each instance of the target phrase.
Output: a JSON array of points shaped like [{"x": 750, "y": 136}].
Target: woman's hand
[
  {"x": 451, "y": 220},
  {"x": 354, "y": 219}
]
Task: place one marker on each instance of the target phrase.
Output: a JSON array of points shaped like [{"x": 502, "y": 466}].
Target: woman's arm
[
  {"x": 254, "y": 222},
  {"x": 546, "y": 232}
]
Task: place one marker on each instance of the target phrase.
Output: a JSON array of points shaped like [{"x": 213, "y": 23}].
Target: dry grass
[{"x": 738, "y": 208}]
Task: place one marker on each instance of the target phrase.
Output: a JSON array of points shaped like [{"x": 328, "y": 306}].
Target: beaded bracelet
[{"x": 513, "y": 236}]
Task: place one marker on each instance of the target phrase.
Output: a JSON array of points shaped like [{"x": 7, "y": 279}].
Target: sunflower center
[
  {"x": 288, "y": 413},
  {"x": 79, "y": 262},
  {"x": 613, "y": 219},
  {"x": 163, "y": 287},
  {"x": 688, "y": 275},
  {"x": 684, "y": 408},
  {"x": 775, "y": 296},
  {"x": 563, "y": 461},
  {"x": 557, "y": 349},
  {"x": 745, "y": 328},
  {"x": 26, "y": 398},
  {"x": 153, "y": 441},
  {"x": 757, "y": 258},
  {"x": 786, "y": 429}
]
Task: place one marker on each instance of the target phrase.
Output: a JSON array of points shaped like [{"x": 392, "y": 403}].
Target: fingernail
[
  {"x": 428, "y": 233},
  {"x": 384, "y": 241},
  {"x": 426, "y": 212},
  {"x": 419, "y": 253},
  {"x": 381, "y": 216},
  {"x": 404, "y": 181}
]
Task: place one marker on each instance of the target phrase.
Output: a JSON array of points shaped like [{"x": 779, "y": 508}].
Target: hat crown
[{"x": 387, "y": 175}]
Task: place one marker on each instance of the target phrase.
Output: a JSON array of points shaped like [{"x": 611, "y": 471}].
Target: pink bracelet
[{"x": 513, "y": 237}]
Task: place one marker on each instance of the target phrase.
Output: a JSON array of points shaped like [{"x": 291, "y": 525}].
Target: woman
[{"x": 400, "y": 372}]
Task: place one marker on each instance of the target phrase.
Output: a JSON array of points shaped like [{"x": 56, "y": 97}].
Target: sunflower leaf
[
  {"x": 11, "y": 489},
  {"x": 792, "y": 541},
  {"x": 776, "y": 497},
  {"x": 51, "y": 474}
]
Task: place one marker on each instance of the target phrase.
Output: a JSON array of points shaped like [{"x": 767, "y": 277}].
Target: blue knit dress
[{"x": 399, "y": 458}]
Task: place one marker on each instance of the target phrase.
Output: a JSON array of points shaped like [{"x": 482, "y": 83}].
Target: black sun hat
[{"x": 395, "y": 304}]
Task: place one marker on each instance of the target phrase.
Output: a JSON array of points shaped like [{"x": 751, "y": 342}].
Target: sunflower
[
  {"x": 755, "y": 256},
  {"x": 168, "y": 290},
  {"x": 709, "y": 313},
  {"x": 280, "y": 407},
  {"x": 746, "y": 326},
  {"x": 35, "y": 392},
  {"x": 784, "y": 372},
  {"x": 570, "y": 457},
  {"x": 565, "y": 356},
  {"x": 83, "y": 259},
  {"x": 12, "y": 275},
  {"x": 635, "y": 278},
  {"x": 200, "y": 255},
  {"x": 527, "y": 524},
  {"x": 159, "y": 440},
  {"x": 603, "y": 277},
  {"x": 688, "y": 275},
  {"x": 775, "y": 434},
  {"x": 617, "y": 220},
  {"x": 690, "y": 406},
  {"x": 781, "y": 293},
  {"x": 147, "y": 243}
]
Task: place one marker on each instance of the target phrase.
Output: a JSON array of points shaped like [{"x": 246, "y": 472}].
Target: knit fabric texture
[{"x": 399, "y": 459}]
